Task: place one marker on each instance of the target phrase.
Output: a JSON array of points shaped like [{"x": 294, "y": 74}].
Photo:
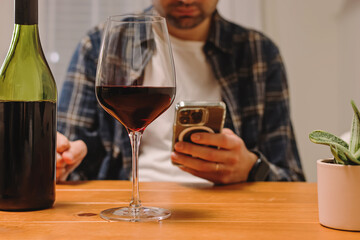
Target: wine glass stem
[{"x": 135, "y": 138}]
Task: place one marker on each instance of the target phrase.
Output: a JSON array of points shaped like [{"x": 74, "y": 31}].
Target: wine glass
[{"x": 132, "y": 46}]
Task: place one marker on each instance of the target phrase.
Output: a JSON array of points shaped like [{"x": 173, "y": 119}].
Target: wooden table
[{"x": 243, "y": 211}]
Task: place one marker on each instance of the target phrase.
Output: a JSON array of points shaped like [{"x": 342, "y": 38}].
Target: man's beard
[{"x": 185, "y": 22}]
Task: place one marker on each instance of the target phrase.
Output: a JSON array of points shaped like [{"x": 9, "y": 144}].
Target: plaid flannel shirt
[{"x": 253, "y": 84}]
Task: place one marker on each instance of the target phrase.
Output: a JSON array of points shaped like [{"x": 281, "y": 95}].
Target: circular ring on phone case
[{"x": 186, "y": 133}]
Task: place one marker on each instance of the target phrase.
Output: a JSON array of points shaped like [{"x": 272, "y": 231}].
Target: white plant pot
[{"x": 338, "y": 195}]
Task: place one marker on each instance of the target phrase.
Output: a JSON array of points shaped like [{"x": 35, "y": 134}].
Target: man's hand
[
  {"x": 69, "y": 155},
  {"x": 231, "y": 163}
]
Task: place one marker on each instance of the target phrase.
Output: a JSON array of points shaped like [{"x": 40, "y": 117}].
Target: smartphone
[{"x": 191, "y": 117}]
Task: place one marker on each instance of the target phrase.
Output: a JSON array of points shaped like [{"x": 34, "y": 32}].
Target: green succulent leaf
[
  {"x": 339, "y": 157},
  {"x": 344, "y": 153},
  {"x": 357, "y": 154},
  {"x": 322, "y": 137},
  {"x": 347, "y": 153},
  {"x": 351, "y": 157},
  {"x": 355, "y": 130}
]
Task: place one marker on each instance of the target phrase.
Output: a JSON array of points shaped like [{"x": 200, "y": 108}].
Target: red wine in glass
[{"x": 135, "y": 106}]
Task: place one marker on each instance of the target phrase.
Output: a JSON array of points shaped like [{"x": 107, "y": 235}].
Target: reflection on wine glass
[{"x": 129, "y": 43}]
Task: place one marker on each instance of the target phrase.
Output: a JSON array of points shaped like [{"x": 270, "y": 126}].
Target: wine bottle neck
[
  {"x": 26, "y": 12},
  {"x": 28, "y": 34}
]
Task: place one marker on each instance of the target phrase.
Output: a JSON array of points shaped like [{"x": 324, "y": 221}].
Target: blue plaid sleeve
[
  {"x": 78, "y": 110},
  {"x": 277, "y": 136}
]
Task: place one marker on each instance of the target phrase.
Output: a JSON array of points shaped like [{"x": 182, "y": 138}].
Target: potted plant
[{"x": 338, "y": 179}]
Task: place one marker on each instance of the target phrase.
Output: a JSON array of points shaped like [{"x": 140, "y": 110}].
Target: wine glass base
[{"x": 130, "y": 214}]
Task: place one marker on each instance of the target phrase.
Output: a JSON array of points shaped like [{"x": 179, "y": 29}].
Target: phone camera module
[
  {"x": 196, "y": 116},
  {"x": 185, "y": 112},
  {"x": 184, "y": 120}
]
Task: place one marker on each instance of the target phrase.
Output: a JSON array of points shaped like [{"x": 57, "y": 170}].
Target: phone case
[{"x": 191, "y": 117}]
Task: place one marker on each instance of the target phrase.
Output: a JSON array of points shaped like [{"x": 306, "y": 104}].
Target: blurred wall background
[{"x": 318, "y": 40}]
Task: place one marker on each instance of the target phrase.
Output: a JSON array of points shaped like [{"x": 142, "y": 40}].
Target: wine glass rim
[{"x": 145, "y": 18}]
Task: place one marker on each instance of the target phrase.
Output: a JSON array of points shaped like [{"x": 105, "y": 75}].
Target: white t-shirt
[{"x": 194, "y": 82}]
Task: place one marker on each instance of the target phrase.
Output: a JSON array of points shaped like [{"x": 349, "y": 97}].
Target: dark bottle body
[
  {"x": 27, "y": 160},
  {"x": 28, "y": 99}
]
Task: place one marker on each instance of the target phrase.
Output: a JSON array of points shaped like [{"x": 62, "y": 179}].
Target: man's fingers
[
  {"x": 227, "y": 131},
  {"x": 60, "y": 161},
  {"x": 76, "y": 152},
  {"x": 69, "y": 156},
  {"x": 62, "y": 143},
  {"x": 225, "y": 140},
  {"x": 60, "y": 171},
  {"x": 203, "y": 152},
  {"x": 193, "y": 163}
]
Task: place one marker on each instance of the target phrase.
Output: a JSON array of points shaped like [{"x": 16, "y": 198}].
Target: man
[{"x": 215, "y": 60}]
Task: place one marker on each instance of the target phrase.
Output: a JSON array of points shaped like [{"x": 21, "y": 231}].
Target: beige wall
[
  {"x": 319, "y": 41},
  {"x": 6, "y": 27}
]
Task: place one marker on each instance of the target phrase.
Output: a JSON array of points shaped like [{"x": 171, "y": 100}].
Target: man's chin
[{"x": 185, "y": 22}]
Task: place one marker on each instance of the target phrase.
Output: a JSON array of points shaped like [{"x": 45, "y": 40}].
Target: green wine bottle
[{"x": 28, "y": 99}]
